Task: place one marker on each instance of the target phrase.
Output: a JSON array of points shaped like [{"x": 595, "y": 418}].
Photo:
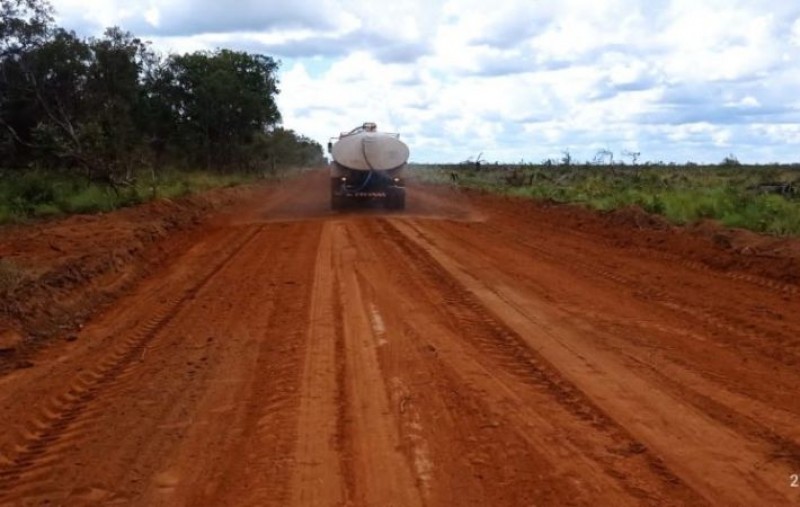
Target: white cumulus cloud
[{"x": 675, "y": 79}]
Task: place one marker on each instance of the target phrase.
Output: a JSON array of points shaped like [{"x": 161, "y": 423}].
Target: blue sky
[{"x": 675, "y": 80}]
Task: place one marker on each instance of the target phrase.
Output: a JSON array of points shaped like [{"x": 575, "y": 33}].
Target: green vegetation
[
  {"x": 759, "y": 198},
  {"x": 11, "y": 277},
  {"x": 40, "y": 194},
  {"x": 89, "y": 124}
]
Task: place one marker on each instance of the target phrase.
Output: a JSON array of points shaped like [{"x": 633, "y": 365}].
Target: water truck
[{"x": 368, "y": 167}]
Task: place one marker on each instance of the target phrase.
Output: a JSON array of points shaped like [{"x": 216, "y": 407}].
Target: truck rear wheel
[
  {"x": 337, "y": 202},
  {"x": 396, "y": 199}
]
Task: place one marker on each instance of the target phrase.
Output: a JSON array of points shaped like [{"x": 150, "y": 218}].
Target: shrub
[
  {"x": 42, "y": 194},
  {"x": 682, "y": 194},
  {"x": 11, "y": 277}
]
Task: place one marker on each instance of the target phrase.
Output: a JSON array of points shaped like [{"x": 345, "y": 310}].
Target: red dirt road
[{"x": 462, "y": 353}]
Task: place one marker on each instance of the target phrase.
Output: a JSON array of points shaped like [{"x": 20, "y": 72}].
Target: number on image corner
[{"x": 794, "y": 480}]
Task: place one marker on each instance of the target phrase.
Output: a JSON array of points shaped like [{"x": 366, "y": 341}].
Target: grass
[
  {"x": 42, "y": 194},
  {"x": 683, "y": 194},
  {"x": 11, "y": 277}
]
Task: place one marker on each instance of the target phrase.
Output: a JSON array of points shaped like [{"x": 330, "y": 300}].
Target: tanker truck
[{"x": 368, "y": 167}]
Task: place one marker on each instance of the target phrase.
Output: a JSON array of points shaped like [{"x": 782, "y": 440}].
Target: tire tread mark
[
  {"x": 509, "y": 349},
  {"x": 760, "y": 281},
  {"x": 344, "y": 418},
  {"x": 700, "y": 313},
  {"x": 764, "y": 282},
  {"x": 65, "y": 408}
]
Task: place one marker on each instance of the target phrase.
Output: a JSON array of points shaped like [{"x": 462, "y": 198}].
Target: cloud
[
  {"x": 182, "y": 17},
  {"x": 675, "y": 79},
  {"x": 509, "y": 27},
  {"x": 385, "y": 49},
  {"x": 795, "y": 32}
]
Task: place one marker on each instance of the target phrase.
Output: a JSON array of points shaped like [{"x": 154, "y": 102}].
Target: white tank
[{"x": 365, "y": 149}]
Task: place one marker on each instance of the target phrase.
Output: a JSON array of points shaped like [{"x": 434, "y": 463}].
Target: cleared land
[{"x": 472, "y": 351}]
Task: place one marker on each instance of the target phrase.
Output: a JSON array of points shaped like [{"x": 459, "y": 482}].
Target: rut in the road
[
  {"x": 63, "y": 412},
  {"x": 504, "y": 349}
]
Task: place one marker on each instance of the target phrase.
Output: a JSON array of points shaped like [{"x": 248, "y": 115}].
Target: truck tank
[{"x": 368, "y": 167}]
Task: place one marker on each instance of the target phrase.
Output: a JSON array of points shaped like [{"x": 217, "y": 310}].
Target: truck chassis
[{"x": 350, "y": 188}]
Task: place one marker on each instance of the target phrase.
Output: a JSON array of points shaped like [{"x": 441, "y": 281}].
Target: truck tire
[{"x": 396, "y": 199}]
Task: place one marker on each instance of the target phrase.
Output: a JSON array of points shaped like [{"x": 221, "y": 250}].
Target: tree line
[{"x": 106, "y": 107}]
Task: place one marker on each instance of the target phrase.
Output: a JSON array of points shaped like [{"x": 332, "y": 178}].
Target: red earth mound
[
  {"x": 707, "y": 243},
  {"x": 55, "y": 274}
]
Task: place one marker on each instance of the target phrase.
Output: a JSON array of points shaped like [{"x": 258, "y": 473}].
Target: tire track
[
  {"x": 767, "y": 283},
  {"x": 784, "y": 449},
  {"x": 260, "y": 466},
  {"x": 698, "y": 312},
  {"x": 344, "y": 433},
  {"x": 318, "y": 475},
  {"x": 41, "y": 446},
  {"x": 758, "y": 281},
  {"x": 736, "y": 419},
  {"x": 381, "y": 471},
  {"x": 501, "y": 348},
  {"x": 675, "y": 428}
]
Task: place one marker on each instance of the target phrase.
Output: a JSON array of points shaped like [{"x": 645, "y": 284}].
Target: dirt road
[{"x": 460, "y": 353}]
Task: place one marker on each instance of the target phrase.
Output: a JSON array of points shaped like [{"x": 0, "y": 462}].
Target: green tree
[
  {"x": 105, "y": 107},
  {"x": 221, "y": 101},
  {"x": 284, "y": 147},
  {"x": 24, "y": 25},
  {"x": 112, "y": 98},
  {"x": 43, "y": 94}
]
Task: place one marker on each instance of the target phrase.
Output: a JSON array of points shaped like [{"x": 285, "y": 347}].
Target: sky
[{"x": 509, "y": 80}]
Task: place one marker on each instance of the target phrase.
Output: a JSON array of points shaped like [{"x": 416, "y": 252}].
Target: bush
[
  {"x": 682, "y": 194},
  {"x": 42, "y": 194},
  {"x": 89, "y": 199}
]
